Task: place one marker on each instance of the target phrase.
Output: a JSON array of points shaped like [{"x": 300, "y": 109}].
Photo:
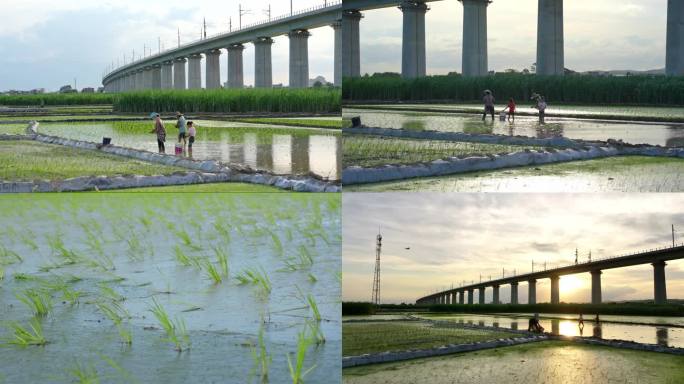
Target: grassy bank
[
  {"x": 372, "y": 151},
  {"x": 231, "y": 101},
  {"x": 658, "y": 90},
  {"x": 26, "y": 160},
  {"x": 360, "y": 338},
  {"x": 632, "y": 309}
]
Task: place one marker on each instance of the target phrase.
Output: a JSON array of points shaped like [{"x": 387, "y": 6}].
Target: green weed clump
[
  {"x": 661, "y": 90},
  {"x": 231, "y": 101}
]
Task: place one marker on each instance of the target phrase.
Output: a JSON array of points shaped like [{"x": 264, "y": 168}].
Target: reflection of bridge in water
[{"x": 655, "y": 257}]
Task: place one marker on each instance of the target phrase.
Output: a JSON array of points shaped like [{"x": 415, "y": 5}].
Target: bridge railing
[
  {"x": 557, "y": 267},
  {"x": 328, "y": 4}
]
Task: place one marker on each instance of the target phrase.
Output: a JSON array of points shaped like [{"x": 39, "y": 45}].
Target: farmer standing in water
[
  {"x": 160, "y": 131},
  {"x": 488, "y": 100}
]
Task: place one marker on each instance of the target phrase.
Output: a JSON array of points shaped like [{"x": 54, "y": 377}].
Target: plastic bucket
[{"x": 106, "y": 140}]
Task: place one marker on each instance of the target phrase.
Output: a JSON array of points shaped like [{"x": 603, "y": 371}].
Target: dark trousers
[
  {"x": 488, "y": 109},
  {"x": 160, "y": 144}
]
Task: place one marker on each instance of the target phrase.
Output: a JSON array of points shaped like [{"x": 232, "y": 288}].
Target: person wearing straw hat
[
  {"x": 181, "y": 124},
  {"x": 488, "y": 100},
  {"x": 160, "y": 131}
]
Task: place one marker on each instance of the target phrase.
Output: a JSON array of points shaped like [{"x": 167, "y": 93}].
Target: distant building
[
  {"x": 67, "y": 89},
  {"x": 318, "y": 79},
  {"x": 88, "y": 90},
  {"x": 100, "y": 90}
]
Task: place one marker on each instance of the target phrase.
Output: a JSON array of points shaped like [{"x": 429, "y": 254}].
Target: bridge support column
[
  {"x": 351, "y": 48},
  {"x": 596, "y": 287},
  {"x": 212, "y": 61},
  {"x": 555, "y": 290},
  {"x": 156, "y": 76},
  {"x": 235, "y": 71},
  {"x": 167, "y": 75},
  {"x": 299, "y": 58},
  {"x": 550, "y": 52},
  {"x": 179, "y": 73},
  {"x": 460, "y": 297},
  {"x": 195, "y": 71},
  {"x": 482, "y": 295},
  {"x": 413, "y": 39},
  {"x": 514, "y": 293},
  {"x": 263, "y": 67},
  {"x": 495, "y": 295},
  {"x": 674, "y": 54},
  {"x": 474, "y": 55},
  {"x": 147, "y": 78},
  {"x": 659, "y": 287},
  {"x": 532, "y": 292},
  {"x": 470, "y": 296},
  {"x": 338, "y": 56},
  {"x": 139, "y": 82}
]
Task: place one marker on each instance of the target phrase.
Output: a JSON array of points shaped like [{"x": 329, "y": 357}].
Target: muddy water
[
  {"x": 650, "y": 331},
  {"x": 314, "y": 150},
  {"x": 631, "y": 132},
  {"x": 139, "y": 234}
]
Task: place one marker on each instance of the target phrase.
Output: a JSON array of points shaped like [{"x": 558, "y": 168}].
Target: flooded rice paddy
[
  {"x": 169, "y": 288},
  {"x": 274, "y": 149},
  {"x": 616, "y": 174},
  {"x": 543, "y": 362},
  {"x": 664, "y": 134}
]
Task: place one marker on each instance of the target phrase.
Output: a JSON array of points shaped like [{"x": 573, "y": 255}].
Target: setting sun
[{"x": 570, "y": 283}]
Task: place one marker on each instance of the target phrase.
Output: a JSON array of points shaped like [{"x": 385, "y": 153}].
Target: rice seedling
[
  {"x": 314, "y": 307},
  {"x": 57, "y": 99},
  {"x": 312, "y": 278},
  {"x": 113, "y": 311},
  {"x": 297, "y": 371},
  {"x": 262, "y": 359},
  {"x": 176, "y": 332},
  {"x": 2, "y": 273},
  {"x": 212, "y": 272},
  {"x": 255, "y": 276},
  {"x": 71, "y": 295},
  {"x": 109, "y": 293},
  {"x": 316, "y": 332},
  {"x": 27, "y": 336},
  {"x": 182, "y": 257},
  {"x": 38, "y": 301},
  {"x": 7, "y": 256},
  {"x": 303, "y": 260},
  {"x": 222, "y": 259},
  {"x": 83, "y": 374},
  {"x": 277, "y": 244}
]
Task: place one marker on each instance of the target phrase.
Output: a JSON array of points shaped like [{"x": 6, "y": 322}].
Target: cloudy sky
[
  {"x": 456, "y": 237},
  {"x": 606, "y": 34},
  {"x": 48, "y": 43}
]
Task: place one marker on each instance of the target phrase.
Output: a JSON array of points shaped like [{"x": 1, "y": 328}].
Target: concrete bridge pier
[
  {"x": 532, "y": 292},
  {"x": 263, "y": 65},
  {"x": 338, "y": 56},
  {"x": 139, "y": 83},
  {"x": 460, "y": 297},
  {"x": 659, "y": 287},
  {"x": 351, "y": 51},
  {"x": 482, "y": 295},
  {"x": 195, "y": 71},
  {"x": 596, "y": 287},
  {"x": 179, "y": 73},
  {"x": 470, "y": 296},
  {"x": 167, "y": 75},
  {"x": 235, "y": 71},
  {"x": 674, "y": 54},
  {"x": 514, "y": 293},
  {"x": 550, "y": 53},
  {"x": 474, "y": 55},
  {"x": 156, "y": 76},
  {"x": 555, "y": 290},
  {"x": 147, "y": 78},
  {"x": 495, "y": 295},
  {"x": 413, "y": 39},
  {"x": 212, "y": 61},
  {"x": 452, "y": 298},
  {"x": 299, "y": 58}
]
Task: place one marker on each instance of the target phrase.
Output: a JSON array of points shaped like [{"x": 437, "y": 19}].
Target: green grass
[
  {"x": 659, "y": 90},
  {"x": 206, "y": 188},
  {"x": 25, "y": 160},
  {"x": 376, "y": 337},
  {"x": 13, "y": 129},
  {"x": 230, "y": 101},
  {"x": 370, "y": 151},
  {"x": 313, "y": 123}
]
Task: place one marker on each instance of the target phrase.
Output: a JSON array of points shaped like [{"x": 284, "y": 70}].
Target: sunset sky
[{"x": 456, "y": 237}]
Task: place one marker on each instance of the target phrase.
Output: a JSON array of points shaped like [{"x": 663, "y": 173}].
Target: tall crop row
[
  {"x": 57, "y": 99},
  {"x": 231, "y": 100},
  {"x": 653, "y": 90}
]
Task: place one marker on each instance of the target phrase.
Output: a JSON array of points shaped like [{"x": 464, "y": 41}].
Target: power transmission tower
[{"x": 376, "y": 279}]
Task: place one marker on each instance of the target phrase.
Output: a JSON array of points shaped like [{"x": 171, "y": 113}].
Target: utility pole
[
  {"x": 673, "y": 240},
  {"x": 75, "y": 87},
  {"x": 576, "y": 256},
  {"x": 375, "y": 299},
  {"x": 532, "y": 265},
  {"x": 179, "y": 37},
  {"x": 230, "y": 24},
  {"x": 291, "y": 9},
  {"x": 144, "y": 50},
  {"x": 205, "y": 28},
  {"x": 268, "y": 12},
  {"x": 159, "y": 42},
  {"x": 590, "y": 255},
  {"x": 242, "y": 12}
]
